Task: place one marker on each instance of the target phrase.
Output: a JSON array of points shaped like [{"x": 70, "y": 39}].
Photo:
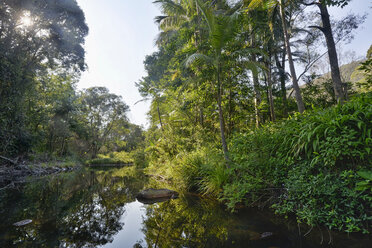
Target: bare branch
[
  {"x": 308, "y": 66},
  {"x": 320, "y": 28}
]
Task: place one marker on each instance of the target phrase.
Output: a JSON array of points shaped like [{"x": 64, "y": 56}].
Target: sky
[{"x": 122, "y": 33}]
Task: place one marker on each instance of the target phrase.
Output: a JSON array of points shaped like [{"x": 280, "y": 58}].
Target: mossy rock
[{"x": 152, "y": 195}]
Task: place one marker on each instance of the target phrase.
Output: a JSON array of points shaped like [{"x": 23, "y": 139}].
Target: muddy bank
[{"x": 12, "y": 174}]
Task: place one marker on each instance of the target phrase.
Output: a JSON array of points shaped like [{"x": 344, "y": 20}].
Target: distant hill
[{"x": 349, "y": 73}]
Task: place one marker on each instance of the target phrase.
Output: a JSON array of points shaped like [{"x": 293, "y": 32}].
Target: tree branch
[
  {"x": 310, "y": 4},
  {"x": 320, "y": 28},
  {"x": 9, "y": 160},
  {"x": 308, "y": 66}
]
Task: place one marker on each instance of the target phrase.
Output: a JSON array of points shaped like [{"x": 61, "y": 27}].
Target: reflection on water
[
  {"x": 131, "y": 232},
  {"x": 97, "y": 208}
]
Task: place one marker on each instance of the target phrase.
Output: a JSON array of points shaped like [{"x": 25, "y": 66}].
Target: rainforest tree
[{"x": 35, "y": 36}]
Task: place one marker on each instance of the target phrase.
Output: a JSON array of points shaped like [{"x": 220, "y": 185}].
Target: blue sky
[{"x": 122, "y": 33}]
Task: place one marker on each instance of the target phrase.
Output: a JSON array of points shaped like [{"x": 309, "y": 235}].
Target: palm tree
[
  {"x": 223, "y": 29},
  {"x": 270, "y": 5},
  {"x": 176, "y": 14},
  {"x": 299, "y": 101}
]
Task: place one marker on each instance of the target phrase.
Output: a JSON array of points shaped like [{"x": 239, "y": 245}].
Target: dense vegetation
[
  {"x": 228, "y": 121},
  {"x": 42, "y": 115},
  {"x": 227, "y": 117}
]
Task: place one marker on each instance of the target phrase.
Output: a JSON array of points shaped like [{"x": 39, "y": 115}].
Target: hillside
[{"x": 349, "y": 73}]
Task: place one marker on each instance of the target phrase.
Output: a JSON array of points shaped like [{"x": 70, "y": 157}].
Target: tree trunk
[
  {"x": 230, "y": 121},
  {"x": 257, "y": 95},
  {"x": 220, "y": 115},
  {"x": 270, "y": 90},
  {"x": 332, "y": 53},
  {"x": 281, "y": 68},
  {"x": 159, "y": 116},
  {"x": 299, "y": 101},
  {"x": 94, "y": 150},
  {"x": 268, "y": 101}
]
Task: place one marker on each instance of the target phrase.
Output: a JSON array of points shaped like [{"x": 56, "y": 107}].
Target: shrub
[{"x": 315, "y": 158}]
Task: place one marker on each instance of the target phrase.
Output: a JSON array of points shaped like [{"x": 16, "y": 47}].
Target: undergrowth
[{"x": 316, "y": 166}]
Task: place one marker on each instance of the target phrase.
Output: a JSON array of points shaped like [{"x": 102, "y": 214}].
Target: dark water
[{"x": 97, "y": 208}]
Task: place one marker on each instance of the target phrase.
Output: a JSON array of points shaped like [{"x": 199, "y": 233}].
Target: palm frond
[
  {"x": 207, "y": 13},
  {"x": 172, "y": 22},
  {"x": 165, "y": 36},
  {"x": 254, "y": 4},
  {"x": 198, "y": 58},
  {"x": 158, "y": 19},
  {"x": 142, "y": 100},
  {"x": 265, "y": 4},
  {"x": 170, "y": 7}
]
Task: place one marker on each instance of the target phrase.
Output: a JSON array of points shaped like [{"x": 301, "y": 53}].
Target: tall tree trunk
[
  {"x": 257, "y": 96},
  {"x": 220, "y": 115},
  {"x": 270, "y": 90},
  {"x": 281, "y": 68},
  {"x": 332, "y": 53},
  {"x": 268, "y": 101},
  {"x": 299, "y": 101},
  {"x": 159, "y": 116},
  {"x": 230, "y": 121},
  {"x": 94, "y": 150}
]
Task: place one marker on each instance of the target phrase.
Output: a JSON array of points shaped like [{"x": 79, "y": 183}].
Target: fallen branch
[{"x": 9, "y": 160}]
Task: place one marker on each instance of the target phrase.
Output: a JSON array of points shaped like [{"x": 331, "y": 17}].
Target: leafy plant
[{"x": 367, "y": 182}]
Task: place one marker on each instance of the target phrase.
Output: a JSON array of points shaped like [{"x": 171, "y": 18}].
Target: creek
[{"x": 97, "y": 208}]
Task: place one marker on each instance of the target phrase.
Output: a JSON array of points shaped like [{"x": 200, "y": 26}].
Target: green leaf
[{"x": 365, "y": 174}]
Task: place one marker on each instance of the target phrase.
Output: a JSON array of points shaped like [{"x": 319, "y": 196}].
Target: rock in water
[
  {"x": 22, "y": 223},
  {"x": 153, "y": 194},
  {"x": 266, "y": 235}
]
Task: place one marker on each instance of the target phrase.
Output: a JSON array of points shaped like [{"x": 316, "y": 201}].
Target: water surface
[{"x": 97, "y": 208}]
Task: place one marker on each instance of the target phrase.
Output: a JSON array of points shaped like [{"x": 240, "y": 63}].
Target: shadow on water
[{"x": 97, "y": 208}]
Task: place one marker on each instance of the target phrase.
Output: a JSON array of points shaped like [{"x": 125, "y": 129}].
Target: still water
[{"x": 97, "y": 208}]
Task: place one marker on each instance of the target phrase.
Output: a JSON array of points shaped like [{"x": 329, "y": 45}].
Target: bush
[
  {"x": 139, "y": 157},
  {"x": 326, "y": 198},
  {"x": 201, "y": 170},
  {"x": 315, "y": 159}
]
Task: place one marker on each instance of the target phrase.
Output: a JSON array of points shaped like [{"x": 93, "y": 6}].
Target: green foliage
[
  {"x": 41, "y": 112},
  {"x": 207, "y": 84},
  {"x": 325, "y": 198},
  {"x": 104, "y": 115},
  {"x": 367, "y": 182},
  {"x": 366, "y": 68},
  {"x": 112, "y": 158},
  {"x": 317, "y": 157},
  {"x": 139, "y": 157},
  {"x": 53, "y": 39},
  {"x": 213, "y": 173}
]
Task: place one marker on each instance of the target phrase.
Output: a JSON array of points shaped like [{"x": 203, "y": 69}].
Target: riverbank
[
  {"x": 314, "y": 166},
  {"x": 12, "y": 174}
]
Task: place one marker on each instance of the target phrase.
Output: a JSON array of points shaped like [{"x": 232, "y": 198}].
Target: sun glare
[{"x": 26, "y": 20}]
